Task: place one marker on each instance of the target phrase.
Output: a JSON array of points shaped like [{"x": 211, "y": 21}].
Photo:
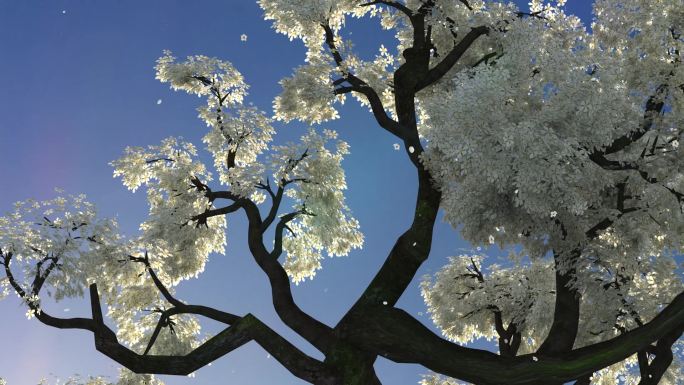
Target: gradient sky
[{"x": 79, "y": 86}]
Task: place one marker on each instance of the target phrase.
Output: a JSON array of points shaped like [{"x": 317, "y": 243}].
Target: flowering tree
[{"x": 525, "y": 129}]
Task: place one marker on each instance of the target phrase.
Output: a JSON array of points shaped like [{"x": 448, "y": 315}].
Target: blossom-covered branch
[{"x": 360, "y": 86}]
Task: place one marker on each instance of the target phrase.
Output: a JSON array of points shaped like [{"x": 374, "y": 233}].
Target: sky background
[{"x": 78, "y": 87}]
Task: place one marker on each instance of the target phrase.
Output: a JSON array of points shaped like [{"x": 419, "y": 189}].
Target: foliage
[{"x": 526, "y": 129}]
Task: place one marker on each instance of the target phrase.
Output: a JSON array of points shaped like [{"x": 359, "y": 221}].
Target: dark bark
[
  {"x": 509, "y": 337},
  {"x": 396, "y": 335},
  {"x": 314, "y": 331},
  {"x": 653, "y": 371},
  {"x": 563, "y": 332},
  {"x": 452, "y": 57},
  {"x": 373, "y": 327}
]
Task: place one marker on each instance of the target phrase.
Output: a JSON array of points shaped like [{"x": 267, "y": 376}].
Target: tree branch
[
  {"x": 409, "y": 252},
  {"x": 362, "y": 87},
  {"x": 280, "y": 228},
  {"x": 343, "y": 90},
  {"x": 216, "y": 315},
  {"x": 201, "y": 219},
  {"x": 509, "y": 338},
  {"x": 164, "y": 320},
  {"x": 39, "y": 279},
  {"x": 278, "y": 196},
  {"x": 566, "y": 314},
  {"x": 654, "y": 107},
  {"x": 612, "y": 165},
  {"x": 652, "y": 372},
  {"x": 60, "y": 323},
  {"x": 314, "y": 331},
  {"x": 398, "y": 336},
  {"x": 396, "y": 5},
  {"x": 244, "y": 329},
  {"x": 438, "y": 71}
]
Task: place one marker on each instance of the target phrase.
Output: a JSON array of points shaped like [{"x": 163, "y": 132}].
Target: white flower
[
  {"x": 30, "y": 313},
  {"x": 396, "y": 146},
  {"x": 553, "y": 214},
  {"x": 243, "y": 37}
]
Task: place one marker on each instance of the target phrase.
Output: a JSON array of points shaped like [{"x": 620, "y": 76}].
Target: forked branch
[
  {"x": 242, "y": 330},
  {"x": 398, "y": 336},
  {"x": 360, "y": 86},
  {"x": 438, "y": 71}
]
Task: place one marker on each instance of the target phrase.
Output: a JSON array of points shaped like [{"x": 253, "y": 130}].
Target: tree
[{"x": 527, "y": 130}]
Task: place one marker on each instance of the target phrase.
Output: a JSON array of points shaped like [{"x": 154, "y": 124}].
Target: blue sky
[{"x": 79, "y": 87}]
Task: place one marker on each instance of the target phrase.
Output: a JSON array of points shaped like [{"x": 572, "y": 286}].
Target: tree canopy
[{"x": 527, "y": 130}]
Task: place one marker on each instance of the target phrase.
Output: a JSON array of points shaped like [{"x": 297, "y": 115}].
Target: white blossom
[
  {"x": 326, "y": 222},
  {"x": 517, "y": 135}
]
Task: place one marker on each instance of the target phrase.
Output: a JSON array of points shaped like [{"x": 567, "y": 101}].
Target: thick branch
[
  {"x": 651, "y": 373},
  {"x": 654, "y": 106},
  {"x": 213, "y": 195},
  {"x": 409, "y": 252},
  {"x": 438, "y": 71},
  {"x": 314, "y": 331},
  {"x": 280, "y": 228},
  {"x": 566, "y": 314},
  {"x": 612, "y": 165},
  {"x": 593, "y": 232},
  {"x": 201, "y": 219},
  {"x": 396, "y": 335},
  {"x": 509, "y": 338},
  {"x": 245, "y": 329}
]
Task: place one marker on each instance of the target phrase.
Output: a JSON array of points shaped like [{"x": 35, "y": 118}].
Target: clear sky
[{"x": 79, "y": 86}]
